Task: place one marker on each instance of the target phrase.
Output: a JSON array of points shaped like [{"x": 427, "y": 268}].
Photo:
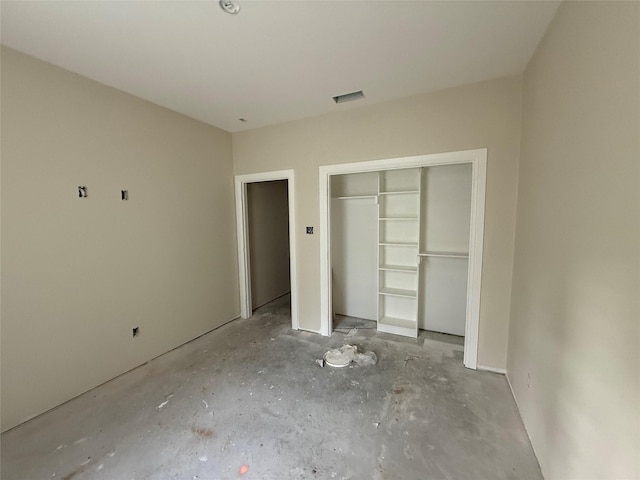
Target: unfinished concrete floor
[{"x": 248, "y": 401}]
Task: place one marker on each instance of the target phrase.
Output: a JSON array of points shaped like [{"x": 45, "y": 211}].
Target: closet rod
[{"x": 444, "y": 254}]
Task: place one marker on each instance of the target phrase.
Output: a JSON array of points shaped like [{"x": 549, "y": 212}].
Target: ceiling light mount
[{"x": 229, "y": 6}]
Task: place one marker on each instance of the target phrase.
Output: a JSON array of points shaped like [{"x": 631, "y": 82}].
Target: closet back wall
[
  {"x": 79, "y": 273},
  {"x": 481, "y": 115}
]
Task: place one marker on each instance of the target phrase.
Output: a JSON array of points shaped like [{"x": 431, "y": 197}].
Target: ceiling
[{"x": 277, "y": 61}]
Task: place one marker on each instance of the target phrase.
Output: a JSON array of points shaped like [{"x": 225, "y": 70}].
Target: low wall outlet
[{"x": 309, "y": 230}]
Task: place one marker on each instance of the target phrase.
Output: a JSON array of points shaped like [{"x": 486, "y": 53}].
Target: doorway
[
  {"x": 391, "y": 321},
  {"x": 263, "y": 255},
  {"x": 268, "y": 221}
]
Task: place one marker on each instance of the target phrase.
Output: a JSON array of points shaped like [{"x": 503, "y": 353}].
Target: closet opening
[
  {"x": 265, "y": 218},
  {"x": 404, "y": 246},
  {"x": 354, "y": 223}
]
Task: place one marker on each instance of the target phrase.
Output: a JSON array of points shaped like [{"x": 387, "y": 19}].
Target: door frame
[
  {"x": 478, "y": 160},
  {"x": 242, "y": 228}
]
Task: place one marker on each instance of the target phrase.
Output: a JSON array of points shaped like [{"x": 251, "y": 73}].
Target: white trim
[
  {"x": 243, "y": 253},
  {"x": 501, "y": 371},
  {"x": 241, "y": 182},
  {"x": 476, "y": 243},
  {"x": 478, "y": 160},
  {"x": 326, "y": 299},
  {"x": 310, "y": 330}
]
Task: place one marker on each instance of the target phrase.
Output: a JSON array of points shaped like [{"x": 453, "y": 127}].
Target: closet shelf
[
  {"x": 398, "y": 292},
  {"x": 399, "y": 268},
  {"x": 444, "y": 254},
  {"x": 398, "y": 326},
  {"x": 413, "y": 219},
  {"x": 353, "y": 197},
  {"x": 398, "y": 244},
  {"x": 398, "y": 322},
  {"x": 400, "y": 192}
]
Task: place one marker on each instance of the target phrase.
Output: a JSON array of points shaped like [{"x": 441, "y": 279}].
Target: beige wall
[
  {"x": 481, "y": 115},
  {"x": 268, "y": 218},
  {"x": 575, "y": 313},
  {"x": 79, "y": 274}
]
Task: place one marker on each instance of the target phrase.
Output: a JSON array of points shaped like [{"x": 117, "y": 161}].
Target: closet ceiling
[{"x": 277, "y": 61}]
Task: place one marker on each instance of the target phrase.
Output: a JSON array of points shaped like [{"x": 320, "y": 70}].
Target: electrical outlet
[
  {"x": 528, "y": 380},
  {"x": 136, "y": 331},
  {"x": 309, "y": 230}
]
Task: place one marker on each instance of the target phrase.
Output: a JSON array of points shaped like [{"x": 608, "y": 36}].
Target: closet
[
  {"x": 354, "y": 244},
  {"x": 400, "y": 247}
]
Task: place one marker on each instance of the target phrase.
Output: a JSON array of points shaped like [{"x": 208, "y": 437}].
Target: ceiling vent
[{"x": 349, "y": 97}]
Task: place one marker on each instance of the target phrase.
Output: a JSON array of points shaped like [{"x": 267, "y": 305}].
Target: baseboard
[
  {"x": 501, "y": 371},
  {"x": 300, "y": 329}
]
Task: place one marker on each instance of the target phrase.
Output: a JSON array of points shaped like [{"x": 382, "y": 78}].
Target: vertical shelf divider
[{"x": 399, "y": 202}]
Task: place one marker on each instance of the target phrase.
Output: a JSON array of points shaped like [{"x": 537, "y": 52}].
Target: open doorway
[
  {"x": 265, "y": 216},
  {"x": 268, "y": 232}
]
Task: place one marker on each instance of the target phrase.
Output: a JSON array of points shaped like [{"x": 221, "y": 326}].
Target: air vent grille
[{"x": 349, "y": 97}]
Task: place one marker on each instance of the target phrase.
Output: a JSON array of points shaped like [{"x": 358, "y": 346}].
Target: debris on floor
[
  {"x": 165, "y": 402},
  {"x": 411, "y": 357},
  {"x": 340, "y": 357},
  {"x": 343, "y": 356},
  {"x": 366, "y": 358}
]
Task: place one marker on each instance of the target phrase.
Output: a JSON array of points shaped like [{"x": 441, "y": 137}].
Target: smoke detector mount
[{"x": 229, "y": 6}]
